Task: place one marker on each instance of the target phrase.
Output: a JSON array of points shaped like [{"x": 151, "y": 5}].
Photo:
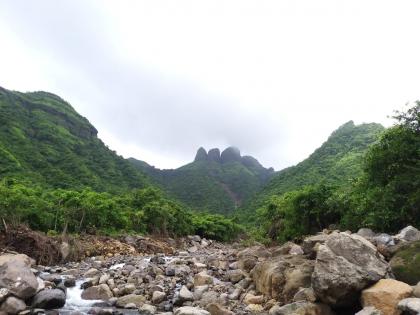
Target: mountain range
[{"x": 45, "y": 141}]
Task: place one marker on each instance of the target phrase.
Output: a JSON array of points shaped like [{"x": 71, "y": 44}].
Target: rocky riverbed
[{"x": 330, "y": 273}]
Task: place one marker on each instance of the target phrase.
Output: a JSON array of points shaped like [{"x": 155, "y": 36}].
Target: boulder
[
  {"x": 311, "y": 243},
  {"x": 202, "y": 278},
  {"x": 416, "y": 290},
  {"x": 147, "y": 309},
  {"x": 248, "y": 258},
  {"x": 158, "y": 297},
  {"x": 281, "y": 277},
  {"x": 253, "y": 299},
  {"x": 138, "y": 300},
  {"x": 98, "y": 292},
  {"x": 369, "y": 310},
  {"x": 405, "y": 263},
  {"x": 49, "y": 299},
  {"x": 384, "y": 239},
  {"x": 4, "y": 293},
  {"x": 185, "y": 294},
  {"x": 301, "y": 308},
  {"x": 189, "y": 310},
  {"x": 217, "y": 309},
  {"x": 235, "y": 275},
  {"x": 16, "y": 275},
  {"x": 305, "y": 294},
  {"x": 13, "y": 305},
  {"x": 410, "y": 306},
  {"x": 409, "y": 234},
  {"x": 385, "y": 295},
  {"x": 345, "y": 265}
]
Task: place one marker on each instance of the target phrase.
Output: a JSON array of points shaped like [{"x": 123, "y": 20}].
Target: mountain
[
  {"x": 44, "y": 140},
  {"x": 336, "y": 162},
  {"x": 214, "y": 181}
]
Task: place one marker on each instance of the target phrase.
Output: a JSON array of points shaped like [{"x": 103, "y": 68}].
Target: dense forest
[
  {"x": 214, "y": 181},
  {"x": 385, "y": 196},
  {"x": 56, "y": 175}
]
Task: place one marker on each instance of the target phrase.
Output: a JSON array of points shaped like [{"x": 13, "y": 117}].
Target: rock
[
  {"x": 201, "y": 155},
  {"x": 49, "y": 299},
  {"x": 138, "y": 300},
  {"x": 158, "y": 297},
  {"x": 104, "y": 278},
  {"x": 305, "y": 294},
  {"x": 409, "y": 234},
  {"x": 185, "y": 294},
  {"x": 345, "y": 265},
  {"x": 130, "y": 306},
  {"x": 92, "y": 272},
  {"x": 230, "y": 154},
  {"x": 4, "y": 293},
  {"x": 369, "y": 310},
  {"x": 281, "y": 277},
  {"x": 216, "y": 309},
  {"x": 99, "y": 292},
  {"x": 253, "y": 299},
  {"x": 405, "y": 263},
  {"x": 296, "y": 250},
  {"x": 189, "y": 310},
  {"x": 366, "y": 233},
  {"x": 202, "y": 278},
  {"x": 16, "y": 275},
  {"x": 416, "y": 290},
  {"x": 13, "y": 305},
  {"x": 311, "y": 243},
  {"x": 129, "y": 288},
  {"x": 147, "y": 309},
  {"x": 235, "y": 275},
  {"x": 410, "y": 306},
  {"x": 209, "y": 297},
  {"x": 255, "y": 308},
  {"x": 170, "y": 271},
  {"x": 385, "y": 295},
  {"x": 301, "y": 308},
  {"x": 69, "y": 281},
  {"x": 199, "y": 291},
  {"x": 384, "y": 239}
]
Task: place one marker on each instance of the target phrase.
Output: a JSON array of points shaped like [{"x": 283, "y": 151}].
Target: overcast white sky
[{"x": 160, "y": 78}]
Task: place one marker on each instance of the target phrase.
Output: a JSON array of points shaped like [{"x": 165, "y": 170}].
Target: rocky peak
[
  {"x": 214, "y": 155},
  {"x": 201, "y": 155},
  {"x": 230, "y": 154}
]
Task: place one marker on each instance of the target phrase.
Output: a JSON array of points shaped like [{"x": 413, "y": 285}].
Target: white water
[
  {"x": 117, "y": 266},
  {"x": 74, "y": 299}
]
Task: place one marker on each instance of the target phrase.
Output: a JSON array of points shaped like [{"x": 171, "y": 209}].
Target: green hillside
[
  {"x": 217, "y": 182},
  {"x": 44, "y": 140},
  {"x": 336, "y": 162}
]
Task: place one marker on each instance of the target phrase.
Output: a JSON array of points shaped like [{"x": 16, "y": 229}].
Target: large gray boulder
[
  {"x": 409, "y": 234},
  {"x": 13, "y": 305},
  {"x": 49, "y": 299},
  {"x": 16, "y": 275},
  {"x": 345, "y": 265},
  {"x": 98, "y": 292},
  {"x": 410, "y": 306},
  {"x": 282, "y": 277}
]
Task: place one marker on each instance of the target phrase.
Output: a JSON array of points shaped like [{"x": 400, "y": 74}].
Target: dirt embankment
[{"x": 48, "y": 250}]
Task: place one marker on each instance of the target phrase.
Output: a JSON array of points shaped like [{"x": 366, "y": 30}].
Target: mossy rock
[{"x": 406, "y": 263}]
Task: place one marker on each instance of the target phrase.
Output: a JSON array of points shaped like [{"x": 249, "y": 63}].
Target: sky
[{"x": 159, "y": 79}]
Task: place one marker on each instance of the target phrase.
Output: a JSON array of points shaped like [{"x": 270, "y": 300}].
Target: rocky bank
[{"x": 333, "y": 272}]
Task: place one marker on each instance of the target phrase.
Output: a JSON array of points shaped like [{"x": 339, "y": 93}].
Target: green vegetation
[
  {"x": 385, "y": 196},
  {"x": 211, "y": 183},
  {"x": 139, "y": 211},
  {"x": 56, "y": 175},
  {"x": 406, "y": 263},
  {"x": 43, "y": 140}
]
